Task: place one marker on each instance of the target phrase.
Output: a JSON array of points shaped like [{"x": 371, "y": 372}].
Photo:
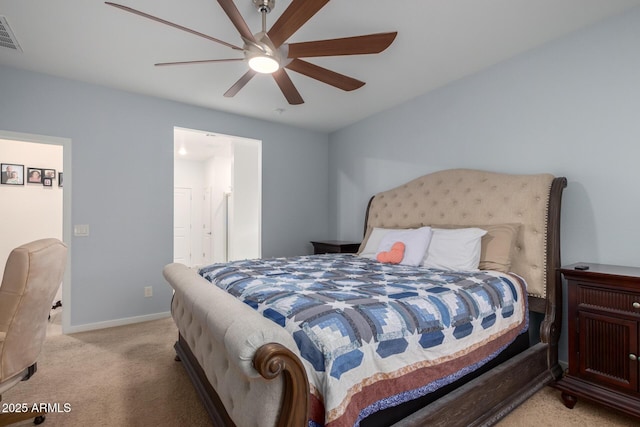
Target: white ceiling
[
  {"x": 195, "y": 145},
  {"x": 438, "y": 41}
]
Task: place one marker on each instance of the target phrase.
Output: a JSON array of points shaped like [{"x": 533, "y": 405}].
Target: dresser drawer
[{"x": 590, "y": 296}]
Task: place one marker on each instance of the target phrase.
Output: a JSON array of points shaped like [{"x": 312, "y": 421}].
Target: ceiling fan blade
[
  {"x": 359, "y": 45},
  {"x": 240, "y": 84},
  {"x": 325, "y": 76},
  {"x": 202, "y": 61},
  {"x": 236, "y": 18},
  {"x": 286, "y": 86},
  {"x": 171, "y": 24},
  {"x": 294, "y": 17}
]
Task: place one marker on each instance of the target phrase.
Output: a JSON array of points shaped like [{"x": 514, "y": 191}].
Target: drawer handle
[
  {"x": 633, "y": 357},
  {"x": 636, "y": 305}
]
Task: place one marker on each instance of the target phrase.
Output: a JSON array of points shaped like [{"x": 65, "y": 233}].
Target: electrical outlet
[{"x": 148, "y": 291}]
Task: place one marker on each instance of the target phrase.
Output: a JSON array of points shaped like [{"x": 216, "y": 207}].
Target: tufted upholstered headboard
[{"x": 465, "y": 197}]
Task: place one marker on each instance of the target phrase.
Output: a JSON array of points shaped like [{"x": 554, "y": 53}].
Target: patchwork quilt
[{"x": 374, "y": 335}]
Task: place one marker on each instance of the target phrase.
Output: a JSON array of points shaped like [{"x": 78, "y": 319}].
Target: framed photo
[
  {"x": 59, "y": 179},
  {"x": 49, "y": 173},
  {"x": 34, "y": 175},
  {"x": 12, "y": 174},
  {"x": 47, "y": 182}
]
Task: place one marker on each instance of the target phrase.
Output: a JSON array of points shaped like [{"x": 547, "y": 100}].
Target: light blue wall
[
  {"x": 122, "y": 162},
  {"x": 571, "y": 108}
]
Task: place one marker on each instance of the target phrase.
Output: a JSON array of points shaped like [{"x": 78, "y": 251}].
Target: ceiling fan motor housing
[{"x": 265, "y": 6}]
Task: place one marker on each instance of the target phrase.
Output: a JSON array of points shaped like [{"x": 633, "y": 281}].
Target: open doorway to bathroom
[{"x": 217, "y": 197}]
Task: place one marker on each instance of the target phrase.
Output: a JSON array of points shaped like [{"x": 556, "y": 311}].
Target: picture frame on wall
[
  {"x": 47, "y": 182},
  {"x": 59, "y": 179},
  {"x": 49, "y": 173},
  {"x": 34, "y": 175},
  {"x": 12, "y": 174}
]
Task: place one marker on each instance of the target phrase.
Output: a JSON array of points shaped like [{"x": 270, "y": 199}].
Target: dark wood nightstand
[
  {"x": 335, "y": 246},
  {"x": 604, "y": 325}
]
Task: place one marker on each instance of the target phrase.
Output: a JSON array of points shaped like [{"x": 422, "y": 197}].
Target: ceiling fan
[{"x": 266, "y": 51}]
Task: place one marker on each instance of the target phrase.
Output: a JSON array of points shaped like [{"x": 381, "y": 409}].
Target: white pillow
[
  {"x": 454, "y": 249},
  {"x": 415, "y": 242},
  {"x": 371, "y": 248}
]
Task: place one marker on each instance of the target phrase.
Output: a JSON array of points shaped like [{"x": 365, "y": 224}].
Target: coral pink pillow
[
  {"x": 394, "y": 255},
  {"x": 416, "y": 242}
]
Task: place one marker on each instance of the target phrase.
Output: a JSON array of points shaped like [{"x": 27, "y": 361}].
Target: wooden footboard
[
  {"x": 511, "y": 383},
  {"x": 490, "y": 397}
]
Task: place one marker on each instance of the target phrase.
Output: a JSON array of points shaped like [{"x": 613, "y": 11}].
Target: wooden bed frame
[{"x": 511, "y": 381}]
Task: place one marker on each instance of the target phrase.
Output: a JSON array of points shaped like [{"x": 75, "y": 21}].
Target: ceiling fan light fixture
[{"x": 264, "y": 64}]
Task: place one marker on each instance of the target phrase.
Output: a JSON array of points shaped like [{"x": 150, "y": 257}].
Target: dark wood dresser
[
  {"x": 335, "y": 246},
  {"x": 603, "y": 334}
]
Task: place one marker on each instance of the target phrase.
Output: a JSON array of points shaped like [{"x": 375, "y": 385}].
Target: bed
[{"x": 249, "y": 370}]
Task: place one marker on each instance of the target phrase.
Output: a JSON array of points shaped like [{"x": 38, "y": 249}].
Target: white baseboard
[{"x": 117, "y": 322}]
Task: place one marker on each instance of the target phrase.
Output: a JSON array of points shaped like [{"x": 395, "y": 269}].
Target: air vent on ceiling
[{"x": 7, "y": 38}]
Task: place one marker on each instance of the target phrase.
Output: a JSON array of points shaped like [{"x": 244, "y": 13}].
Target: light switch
[{"x": 81, "y": 230}]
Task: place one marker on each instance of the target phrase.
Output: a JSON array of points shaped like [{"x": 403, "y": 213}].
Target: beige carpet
[{"x": 127, "y": 376}]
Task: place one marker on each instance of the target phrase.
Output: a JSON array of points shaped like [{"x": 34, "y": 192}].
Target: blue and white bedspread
[{"x": 374, "y": 335}]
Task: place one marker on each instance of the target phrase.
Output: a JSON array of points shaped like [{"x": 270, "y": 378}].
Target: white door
[
  {"x": 182, "y": 225},
  {"x": 207, "y": 234}
]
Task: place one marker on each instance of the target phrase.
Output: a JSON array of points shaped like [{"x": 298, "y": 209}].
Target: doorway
[
  {"x": 31, "y": 200},
  {"x": 217, "y": 197}
]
